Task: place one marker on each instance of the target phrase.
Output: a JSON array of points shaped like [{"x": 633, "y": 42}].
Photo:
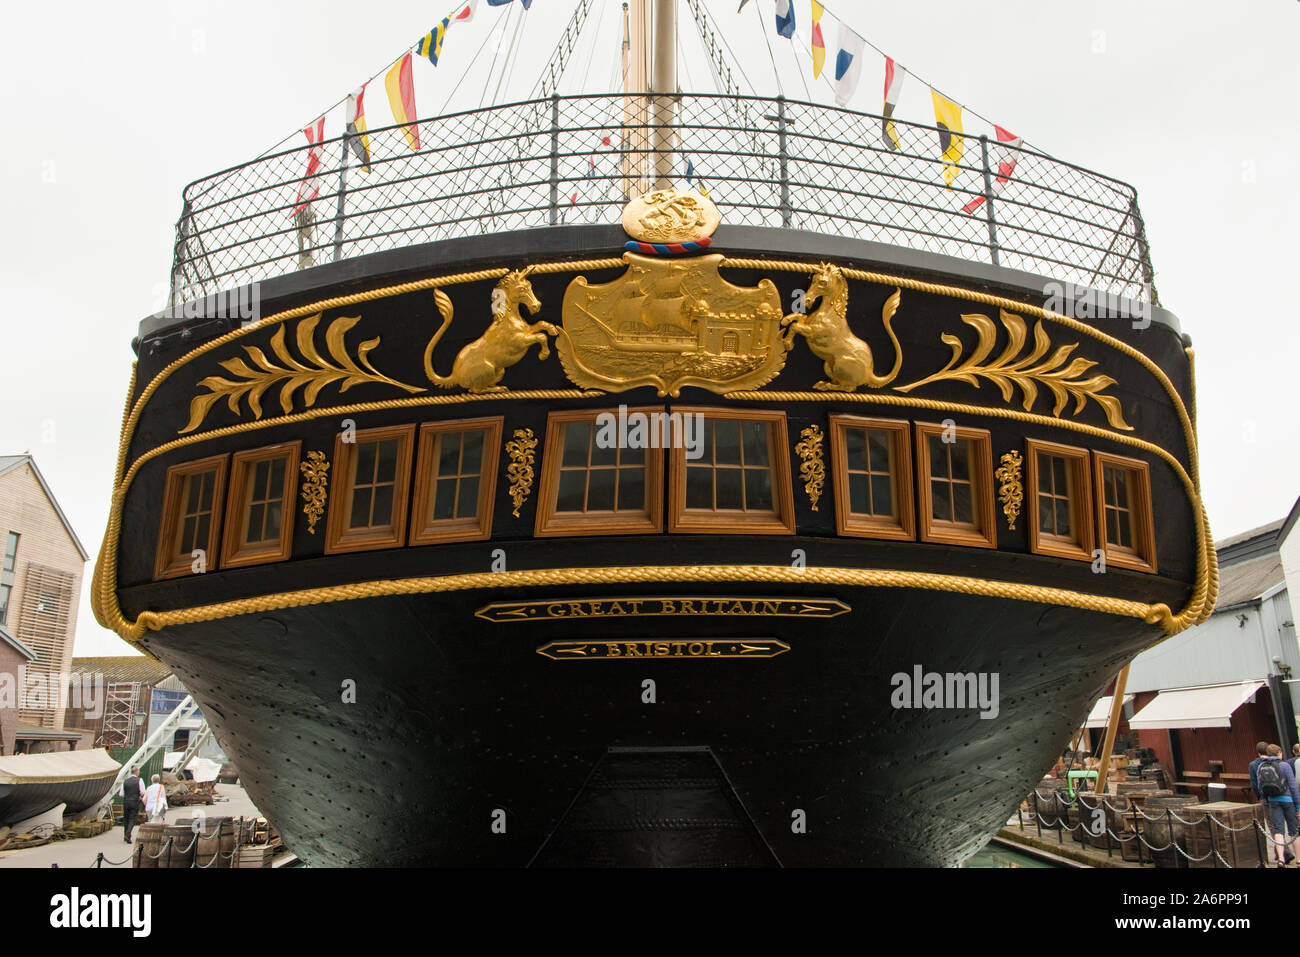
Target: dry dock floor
[{"x": 83, "y": 852}]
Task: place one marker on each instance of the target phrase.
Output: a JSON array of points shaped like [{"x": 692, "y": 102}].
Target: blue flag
[{"x": 785, "y": 18}]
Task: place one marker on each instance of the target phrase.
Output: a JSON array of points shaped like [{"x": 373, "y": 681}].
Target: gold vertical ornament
[
  {"x": 520, "y": 470},
  {"x": 813, "y": 468},
  {"x": 315, "y": 484},
  {"x": 1010, "y": 491}
]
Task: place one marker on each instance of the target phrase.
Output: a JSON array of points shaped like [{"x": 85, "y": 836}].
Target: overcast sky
[{"x": 113, "y": 108}]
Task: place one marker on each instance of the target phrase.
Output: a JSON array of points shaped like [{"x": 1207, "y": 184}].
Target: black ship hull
[{"x": 384, "y": 708}]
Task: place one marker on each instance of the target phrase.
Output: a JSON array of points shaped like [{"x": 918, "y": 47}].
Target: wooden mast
[{"x": 665, "y": 89}]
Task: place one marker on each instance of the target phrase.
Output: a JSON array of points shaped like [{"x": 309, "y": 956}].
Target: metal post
[
  {"x": 783, "y": 155},
  {"x": 555, "y": 158},
  {"x": 343, "y": 190},
  {"x": 1137, "y": 834},
  {"x": 988, "y": 200}
]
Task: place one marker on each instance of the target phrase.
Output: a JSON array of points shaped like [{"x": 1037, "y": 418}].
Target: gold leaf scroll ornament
[
  {"x": 812, "y": 469},
  {"x": 1010, "y": 492},
  {"x": 315, "y": 485},
  {"x": 1008, "y": 371},
  {"x": 311, "y": 374},
  {"x": 520, "y": 470}
]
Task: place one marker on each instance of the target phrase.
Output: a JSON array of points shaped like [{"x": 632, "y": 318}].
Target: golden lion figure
[
  {"x": 481, "y": 364},
  {"x": 847, "y": 358}
]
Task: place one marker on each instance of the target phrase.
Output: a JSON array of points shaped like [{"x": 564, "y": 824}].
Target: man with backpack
[{"x": 1275, "y": 783}]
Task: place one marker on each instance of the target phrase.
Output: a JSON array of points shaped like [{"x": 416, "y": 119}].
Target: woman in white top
[{"x": 155, "y": 801}]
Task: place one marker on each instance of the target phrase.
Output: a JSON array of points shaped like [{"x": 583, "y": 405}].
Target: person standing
[
  {"x": 155, "y": 801},
  {"x": 1277, "y": 786},
  {"x": 132, "y": 798}
]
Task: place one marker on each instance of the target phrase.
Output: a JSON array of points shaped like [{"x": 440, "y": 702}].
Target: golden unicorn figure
[
  {"x": 847, "y": 358},
  {"x": 481, "y": 364}
]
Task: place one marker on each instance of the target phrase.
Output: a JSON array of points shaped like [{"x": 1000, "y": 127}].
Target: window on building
[
  {"x": 872, "y": 461},
  {"x": 455, "y": 481},
  {"x": 955, "y": 485},
  {"x": 260, "y": 512},
  {"x": 1124, "y": 517},
  {"x": 191, "y": 516},
  {"x": 367, "y": 509},
  {"x": 1060, "y": 503},
  {"x": 4, "y": 603},
  {"x": 741, "y": 480},
  {"x": 11, "y": 552},
  {"x": 598, "y": 479}
]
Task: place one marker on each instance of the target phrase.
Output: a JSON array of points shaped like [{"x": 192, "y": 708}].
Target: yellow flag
[
  {"x": 818, "y": 44},
  {"x": 947, "y": 115}
]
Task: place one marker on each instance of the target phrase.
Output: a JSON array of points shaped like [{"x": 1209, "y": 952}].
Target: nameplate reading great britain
[
  {"x": 653, "y": 606},
  {"x": 663, "y": 648}
]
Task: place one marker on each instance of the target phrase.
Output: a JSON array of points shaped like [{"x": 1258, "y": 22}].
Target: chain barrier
[{"x": 1135, "y": 814}]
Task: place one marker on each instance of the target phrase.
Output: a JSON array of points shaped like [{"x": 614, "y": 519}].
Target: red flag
[
  {"x": 1008, "y": 154},
  {"x": 309, "y": 188}
]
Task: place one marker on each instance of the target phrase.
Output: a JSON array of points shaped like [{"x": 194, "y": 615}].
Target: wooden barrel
[
  {"x": 217, "y": 840},
  {"x": 1165, "y": 829},
  {"x": 148, "y": 839},
  {"x": 181, "y": 851},
  {"x": 1048, "y": 800}
]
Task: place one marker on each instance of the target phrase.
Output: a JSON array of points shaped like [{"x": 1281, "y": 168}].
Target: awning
[
  {"x": 1194, "y": 707},
  {"x": 1100, "y": 715}
]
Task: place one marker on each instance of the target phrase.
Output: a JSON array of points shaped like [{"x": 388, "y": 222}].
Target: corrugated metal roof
[
  {"x": 10, "y": 462},
  {"x": 1246, "y": 581},
  {"x": 138, "y": 668}
]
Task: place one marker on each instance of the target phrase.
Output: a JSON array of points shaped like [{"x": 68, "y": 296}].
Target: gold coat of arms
[{"x": 668, "y": 324}]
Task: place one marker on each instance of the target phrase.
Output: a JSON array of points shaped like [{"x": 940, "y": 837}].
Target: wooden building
[{"x": 40, "y": 585}]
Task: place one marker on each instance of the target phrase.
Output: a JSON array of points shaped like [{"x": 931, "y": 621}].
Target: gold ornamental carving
[
  {"x": 654, "y": 606},
  {"x": 813, "y": 468},
  {"x": 670, "y": 216},
  {"x": 480, "y": 365},
  {"x": 1010, "y": 490},
  {"x": 1008, "y": 371},
  {"x": 846, "y": 358},
  {"x": 311, "y": 373},
  {"x": 669, "y": 324},
  {"x": 315, "y": 487},
  {"x": 521, "y": 449},
  {"x": 698, "y": 648}
]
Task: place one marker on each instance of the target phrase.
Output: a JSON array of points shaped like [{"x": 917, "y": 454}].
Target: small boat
[{"x": 31, "y": 784}]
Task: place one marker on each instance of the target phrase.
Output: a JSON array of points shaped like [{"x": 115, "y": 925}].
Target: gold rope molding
[{"x": 880, "y": 578}]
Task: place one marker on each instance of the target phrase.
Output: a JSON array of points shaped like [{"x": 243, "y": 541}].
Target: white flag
[{"x": 848, "y": 65}]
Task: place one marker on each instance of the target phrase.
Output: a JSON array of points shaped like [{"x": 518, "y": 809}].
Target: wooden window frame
[
  {"x": 166, "y": 564},
  {"x": 431, "y": 532},
  {"x": 553, "y": 524},
  {"x": 782, "y": 522},
  {"x": 858, "y": 525},
  {"x": 338, "y": 539},
  {"x": 1142, "y": 557},
  {"x": 1081, "y": 518},
  {"x": 234, "y": 554},
  {"x": 981, "y": 472}
]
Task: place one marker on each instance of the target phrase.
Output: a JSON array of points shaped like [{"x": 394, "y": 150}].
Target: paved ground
[{"x": 82, "y": 852}]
